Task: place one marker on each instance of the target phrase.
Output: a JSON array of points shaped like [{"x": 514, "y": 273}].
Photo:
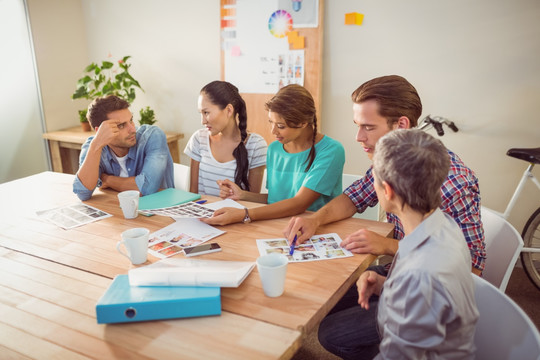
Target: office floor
[{"x": 519, "y": 288}]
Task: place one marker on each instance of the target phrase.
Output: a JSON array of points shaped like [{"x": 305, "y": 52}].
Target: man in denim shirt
[{"x": 120, "y": 156}]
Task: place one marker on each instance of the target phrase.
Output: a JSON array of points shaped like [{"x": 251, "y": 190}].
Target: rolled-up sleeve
[
  {"x": 78, "y": 188},
  {"x": 155, "y": 163}
]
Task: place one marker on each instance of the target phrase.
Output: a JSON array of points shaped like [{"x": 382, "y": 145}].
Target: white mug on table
[
  {"x": 129, "y": 202},
  {"x": 136, "y": 243}
]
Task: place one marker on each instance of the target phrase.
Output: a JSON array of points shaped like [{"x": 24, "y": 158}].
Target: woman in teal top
[{"x": 304, "y": 167}]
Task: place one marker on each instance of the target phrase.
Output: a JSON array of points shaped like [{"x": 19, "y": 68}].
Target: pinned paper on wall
[
  {"x": 305, "y": 13},
  {"x": 235, "y": 51},
  {"x": 354, "y": 18},
  {"x": 228, "y": 28}
]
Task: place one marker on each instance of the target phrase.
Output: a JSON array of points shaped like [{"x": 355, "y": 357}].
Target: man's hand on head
[{"x": 107, "y": 132}]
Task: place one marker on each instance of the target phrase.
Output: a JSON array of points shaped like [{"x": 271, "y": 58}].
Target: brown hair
[
  {"x": 100, "y": 108},
  {"x": 395, "y": 95},
  {"x": 296, "y": 106}
]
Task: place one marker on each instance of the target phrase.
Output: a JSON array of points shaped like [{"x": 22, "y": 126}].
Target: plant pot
[{"x": 86, "y": 126}]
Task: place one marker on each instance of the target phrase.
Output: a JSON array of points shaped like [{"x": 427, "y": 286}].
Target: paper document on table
[
  {"x": 71, "y": 216},
  {"x": 191, "y": 272},
  {"x": 318, "y": 247},
  {"x": 173, "y": 238},
  {"x": 224, "y": 203},
  {"x": 186, "y": 210}
]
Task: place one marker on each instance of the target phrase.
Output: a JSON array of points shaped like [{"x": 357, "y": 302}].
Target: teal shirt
[{"x": 286, "y": 172}]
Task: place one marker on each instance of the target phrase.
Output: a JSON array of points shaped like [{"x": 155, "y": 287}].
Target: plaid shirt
[{"x": 460, "y": 199}]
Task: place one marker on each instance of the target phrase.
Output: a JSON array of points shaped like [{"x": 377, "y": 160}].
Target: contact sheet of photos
[
  {"x": 71, "y": 216},
  {"x": 187, "y": 210},
  {"x": 172, "y": 239},
  {"x": 318, "y": 247}
]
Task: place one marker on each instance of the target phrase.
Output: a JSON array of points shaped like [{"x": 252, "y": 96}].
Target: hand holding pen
[{"x": 291, "y": 251}]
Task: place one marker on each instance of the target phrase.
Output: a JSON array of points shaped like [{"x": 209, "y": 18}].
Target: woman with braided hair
[
  {"x": 304, "y": 167},
  {"x": 224, "y": 149}
]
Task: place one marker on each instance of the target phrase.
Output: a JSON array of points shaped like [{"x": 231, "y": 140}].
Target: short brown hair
[
  {"x": 415, "y": 164},
  {"x": 395, "y": 95},
  {"x": 100, "y": 108}
]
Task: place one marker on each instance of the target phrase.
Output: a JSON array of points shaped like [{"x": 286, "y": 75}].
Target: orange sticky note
[
  {"x": 298, "y": 43},
  {"x": 292, "y": 36},
  {"x": 354, "y": 18}
]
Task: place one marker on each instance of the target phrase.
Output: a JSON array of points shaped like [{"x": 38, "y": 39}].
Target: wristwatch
[{"x": 247, "y": 219}]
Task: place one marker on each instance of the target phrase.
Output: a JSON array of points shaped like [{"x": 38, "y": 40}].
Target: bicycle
[{"x": 530, "y": 253}]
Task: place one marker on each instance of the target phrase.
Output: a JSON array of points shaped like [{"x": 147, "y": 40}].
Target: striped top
[{"x": 211, "y": 170}]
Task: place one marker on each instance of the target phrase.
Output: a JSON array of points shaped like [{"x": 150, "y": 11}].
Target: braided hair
[
  {"x": 222, "y": 93},
  {"x": 296, "y": 106}
]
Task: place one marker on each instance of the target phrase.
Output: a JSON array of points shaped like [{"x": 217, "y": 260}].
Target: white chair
[
  {"x": 181, "y": 176},
  {"x": 503, "y": 330},
  {"x": 503, "y": 245},
  {"x": 264, "y": 190},
  {"x": 371, "y": 213}
]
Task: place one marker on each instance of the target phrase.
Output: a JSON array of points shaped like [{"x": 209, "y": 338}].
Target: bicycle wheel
[{"x": 531, "y": 239}]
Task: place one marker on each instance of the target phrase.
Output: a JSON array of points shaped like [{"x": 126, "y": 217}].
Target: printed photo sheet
[
  {"x": 192, "y": 209},
  {"x": 319, "y": 247},
  {"x": 173, "y": 238},
  {"x": 71, "y": 216},
  {"x": 187, "y": 210}
]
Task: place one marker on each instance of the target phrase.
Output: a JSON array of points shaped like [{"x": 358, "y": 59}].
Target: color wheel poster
[{"x": 256, "y": 48}]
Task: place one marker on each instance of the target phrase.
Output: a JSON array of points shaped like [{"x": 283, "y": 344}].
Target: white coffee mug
[
  {"x": 136, "y": 243},
  {"x": 129, "y": 202},
  {"x": 272, "y": 270}
]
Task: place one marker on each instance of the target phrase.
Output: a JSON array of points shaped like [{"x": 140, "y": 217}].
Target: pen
[
  {"x": 201, "y": 201},
  {"x": 292, "y": 246}
]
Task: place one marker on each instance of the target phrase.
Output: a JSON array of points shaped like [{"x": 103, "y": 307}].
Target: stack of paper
[{"x": 191, "y": 272}]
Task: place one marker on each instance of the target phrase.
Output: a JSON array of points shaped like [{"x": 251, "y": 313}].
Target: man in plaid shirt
[{"x": 380, "y": 106}]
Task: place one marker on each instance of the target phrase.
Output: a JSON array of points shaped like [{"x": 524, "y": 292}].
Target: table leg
[
  {"x": 173, "y": 148},
  {"x": 56, "y": 158}
]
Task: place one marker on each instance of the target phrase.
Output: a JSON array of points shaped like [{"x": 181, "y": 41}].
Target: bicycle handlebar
[{"x": 437, "y": 122}]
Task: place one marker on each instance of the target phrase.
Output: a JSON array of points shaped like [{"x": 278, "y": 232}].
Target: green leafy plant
[
  {"x": 147, "y": 116},
  {"x": 108, "y": 79},
  {"x": 105, "y": 79},
  {"x": 82, "y": 115}
]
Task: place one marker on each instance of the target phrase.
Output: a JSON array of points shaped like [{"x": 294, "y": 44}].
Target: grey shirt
[{"x": 427, "y": 308}]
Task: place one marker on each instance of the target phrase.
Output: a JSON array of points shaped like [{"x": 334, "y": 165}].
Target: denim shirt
[{"x": 149, "y": 160}]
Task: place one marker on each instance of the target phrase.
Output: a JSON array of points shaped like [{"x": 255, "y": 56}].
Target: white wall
[
  {"x": 473, "y": 62},
  {"x": 476, "y": 63},
  {"x": 175, "y": 49},
  {"x": 60, "y": 46},
  {"x": 21, "y": 145}
]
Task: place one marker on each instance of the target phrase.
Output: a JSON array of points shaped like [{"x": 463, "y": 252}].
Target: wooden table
[
  {"x": 65, "y": 146},
  {"x": 88, "y": 253}
]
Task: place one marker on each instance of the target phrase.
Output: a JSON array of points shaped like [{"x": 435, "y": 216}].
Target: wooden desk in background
[
  {"x": 65, "y": 146},
  {"x": 88, "y": 253}
]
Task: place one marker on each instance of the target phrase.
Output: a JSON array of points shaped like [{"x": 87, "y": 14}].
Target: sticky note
[
  {"x": 235, "y": 51},
  {"x": 354, "y": 18},
  {"x": 292, "y": 36},
  {"x": 298, "y": 43}
]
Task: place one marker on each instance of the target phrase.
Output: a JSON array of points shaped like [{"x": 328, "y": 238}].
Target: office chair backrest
[
  {"x": 503, "y": 330},
  {"x": 503, "y": 245},
  {"x": 181, "y": 176}
]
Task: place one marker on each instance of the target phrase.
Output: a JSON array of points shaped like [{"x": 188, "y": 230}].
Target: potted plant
[
  {"x": 107, "y": 79},
  {"x": 84, "y": 121},
  {"x": 147, "y": 116}
]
